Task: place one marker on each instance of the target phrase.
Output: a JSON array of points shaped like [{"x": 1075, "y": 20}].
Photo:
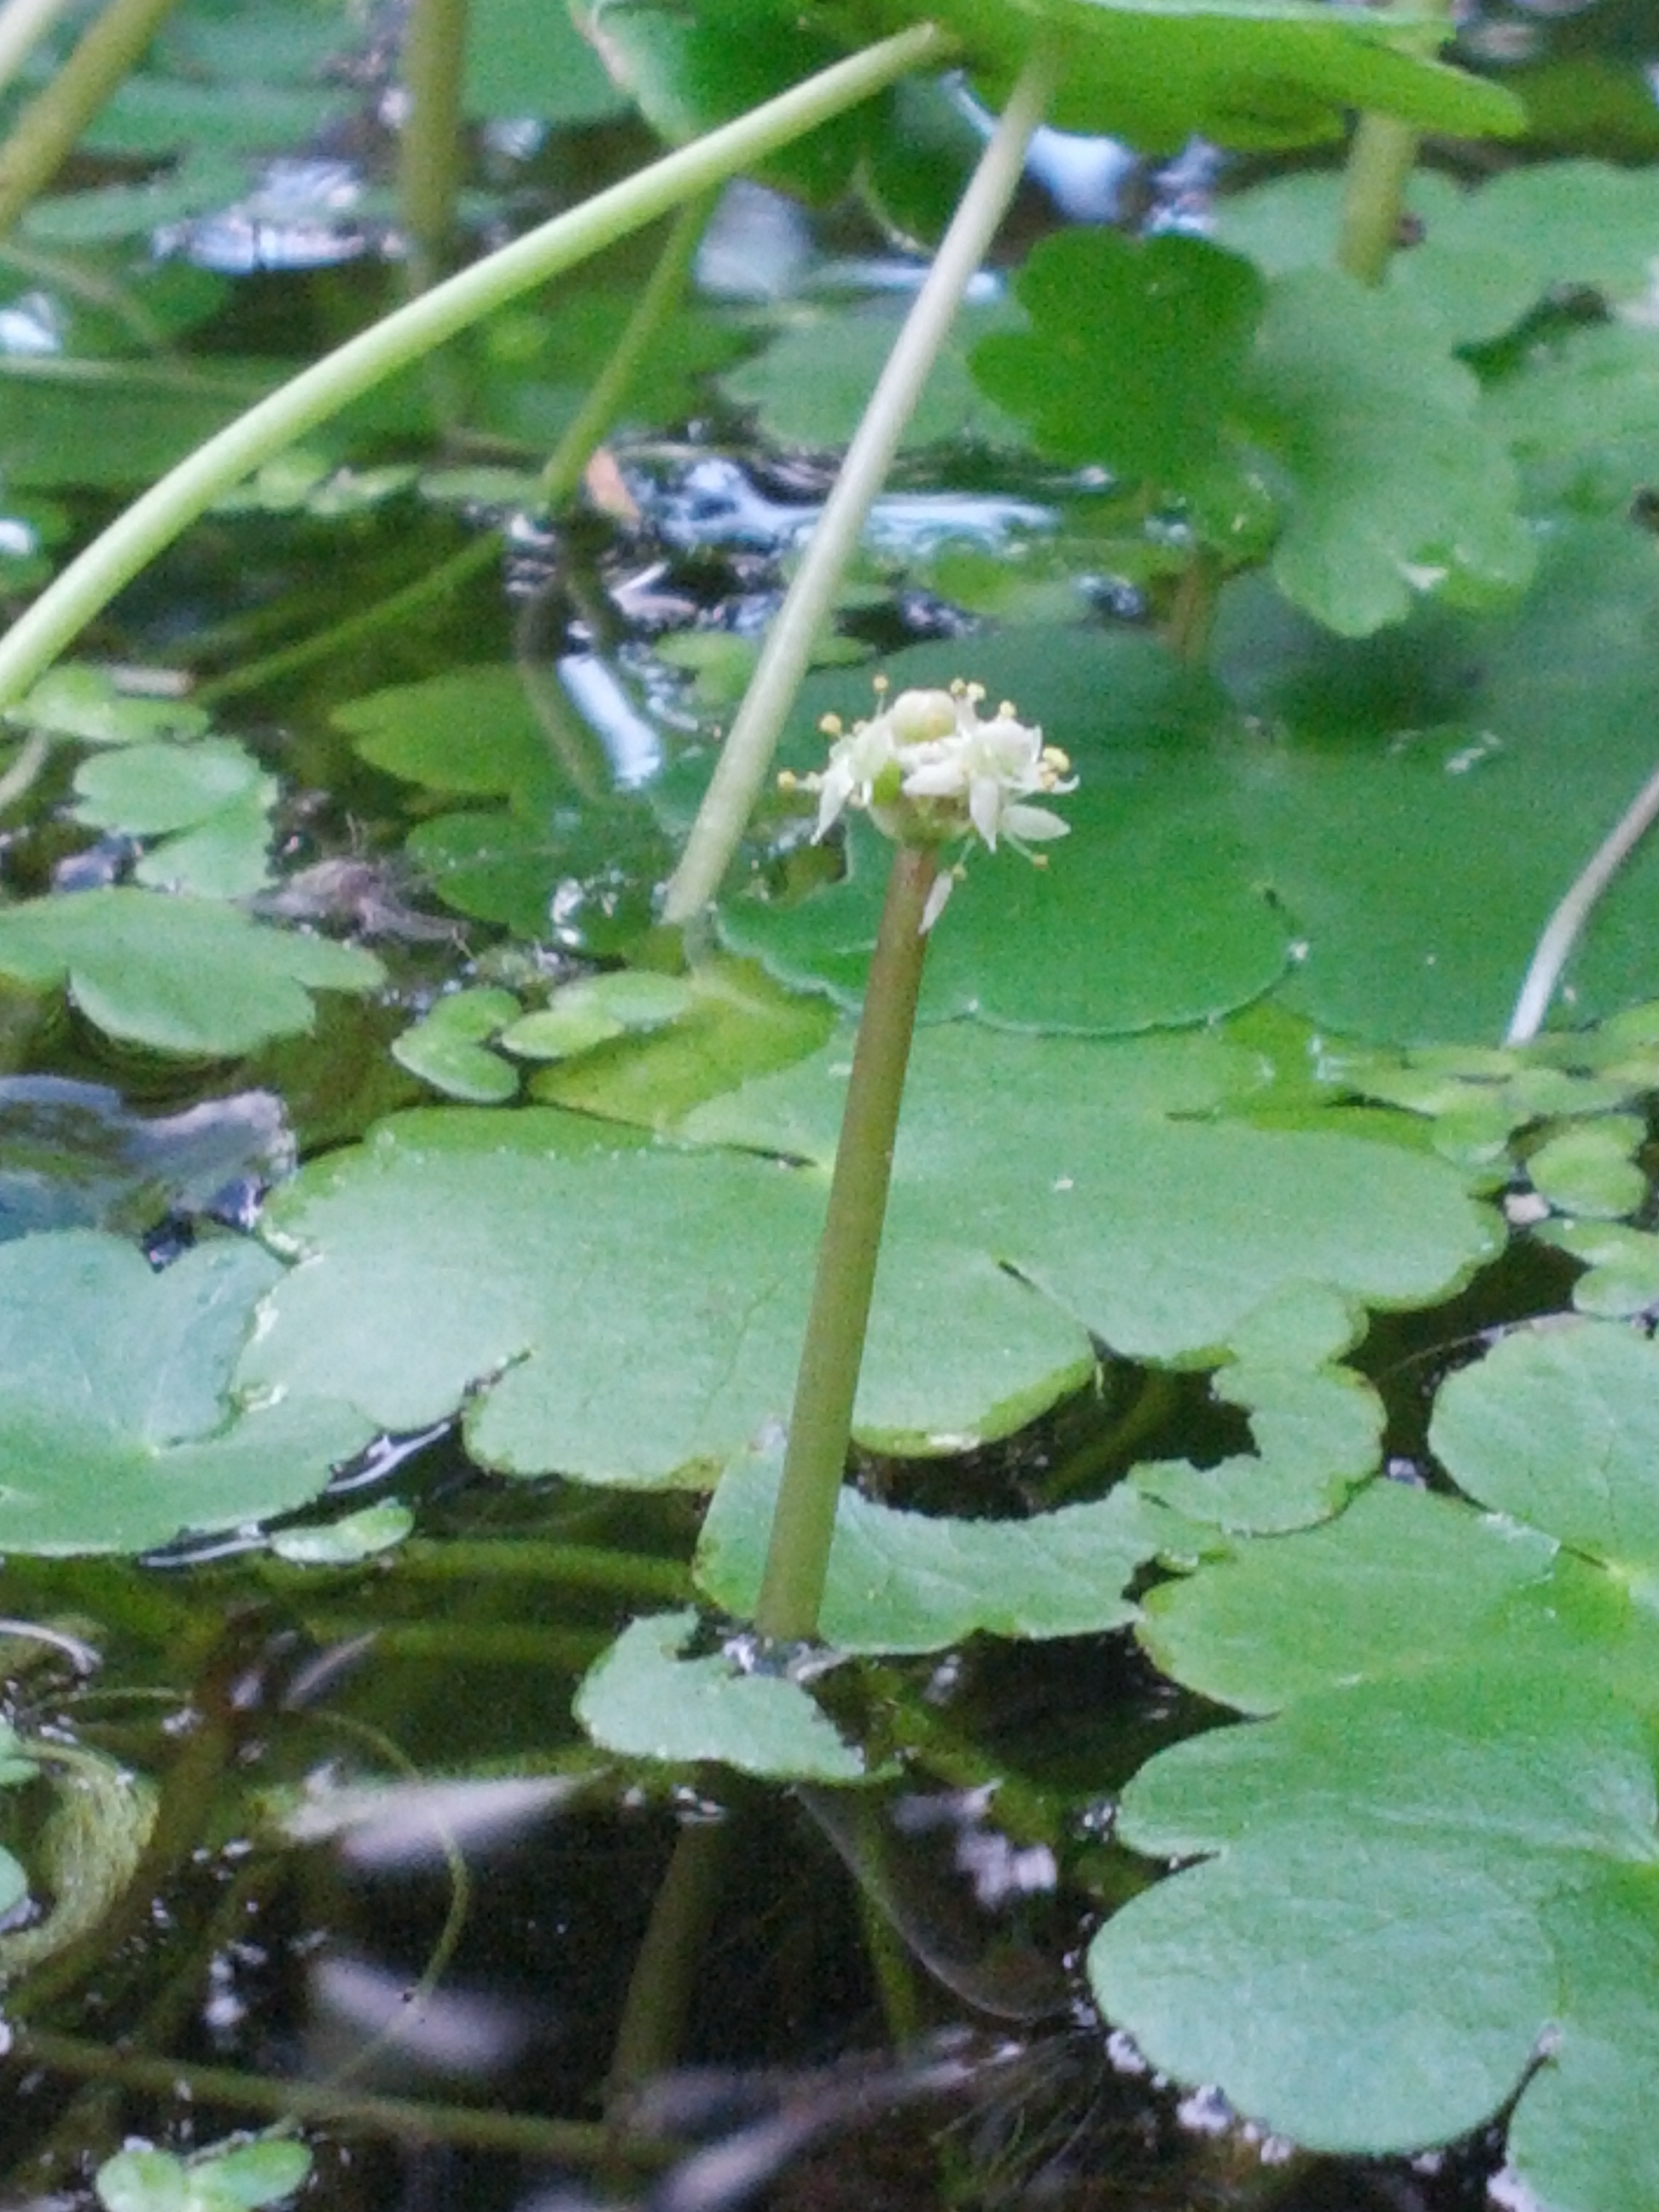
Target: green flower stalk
[{"x": 933, "y": 773}]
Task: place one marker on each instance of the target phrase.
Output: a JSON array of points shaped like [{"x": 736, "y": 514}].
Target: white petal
[
  {"x": 943, "y": 779},
  {"x": 986, "y": 807},
  {"x": 1033, "y": 824},
  {"x": 942, "y": 886}
]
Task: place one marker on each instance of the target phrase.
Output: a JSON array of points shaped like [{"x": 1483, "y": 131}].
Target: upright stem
[
  {"x": 650, "y": 2033},
  {"x": 153, "y": 522},
  {"x": 804, "y": 1521},
  {"x": 429, "y": 148},
  {"x": 1380, "y": 164},
  {"x": 746, "y": 756},
  {"x": 47, "y": 129}
]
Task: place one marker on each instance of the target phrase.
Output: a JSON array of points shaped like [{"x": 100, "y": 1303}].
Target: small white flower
[{"x": 929, "y": 770}]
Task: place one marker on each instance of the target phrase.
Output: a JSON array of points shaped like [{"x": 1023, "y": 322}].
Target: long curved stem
[
  {"x": 747, "y": 754},
  {"x": 153, "y": 522},
  {"x": 1565, "y": 926}
]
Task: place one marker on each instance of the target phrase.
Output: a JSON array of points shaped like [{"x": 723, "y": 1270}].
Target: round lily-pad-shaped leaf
[
  {"x": 645, "y": 1698},
  {"x": 1559, "y": 1427},
  {"x": 1462, "y": 769},
  {"x": 915, "y": 1582},
  {"x": 1153, "y": 888},
  {"x": 118, "y": 1431},
  {"x": 634, "y": 1315},
  {"x": 627, "y": 1316},
  {"x": 1163, "y": 324},
  {"x": 1455, "y": 1794},
  {"x": 1369, "y": 1847},
  {"x": 183, "y": 975}
]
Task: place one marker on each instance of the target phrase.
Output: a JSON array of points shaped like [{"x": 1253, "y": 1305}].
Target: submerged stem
[
  {"x": 746, "y": 756},
  {"x": 393, "y": 612},
  {"x": 600, "y": 410},
  {"x": 154, "y": 521},
  {"x": 804, "y": 1521}
]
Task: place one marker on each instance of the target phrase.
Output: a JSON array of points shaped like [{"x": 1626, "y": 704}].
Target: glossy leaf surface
[
  {"x": 519, "y": 1264},
  {"x": 117, "y": 1429},
  {"x": 1454, "y": 1792},
  {"x": 915, "y": 1582},
  {"x": 183, "y": 975},
  {"x": 647, "y": 1699}
]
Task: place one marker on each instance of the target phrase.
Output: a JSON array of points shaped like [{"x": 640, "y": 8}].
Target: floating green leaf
[
  {"x": 1456, "y": 1793},
  {"x": 1462, "y": 770},
  {"x": 1371, "y": 1845},
  {"x": 1589, "y": 1168},
  {"x": 1153, "y": 880},
  {"x": 1393, "y": 484},
  {"x": 1487, "y": 254},
  {"x": 1621, "y": 1277},
  {"x": 228, "y": 2178},
  {"x": 75, "y": 701},
  {"x": 916, "y": 1581},
  {"x": 213, "y": 795},
  {"x": 518, "y": 1267},
  {"x": 1559, "y": 1428},
  {"x": 1390, "y": 481},
  {"x": 810, "y": 385},
  {"x": 449, "y": 1047},
  {"x": 581, "y": 1015},
  {"x": 528, "y": 60},
  {"x": 344, "y": 1542},
  {"x": 1134, "y": 350},
  {"x": 1243, "y": 72},
  {"x": 184, "y": 975},
  {"x": 118, "y": 1431},
  {"x": 738, "y": 1024},
  {"x": 471, "y": 731},
  {"x": 646, "y": 1699}
]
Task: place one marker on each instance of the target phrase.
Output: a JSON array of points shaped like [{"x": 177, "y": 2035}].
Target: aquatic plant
[{"x": 1197, "y": 1103}]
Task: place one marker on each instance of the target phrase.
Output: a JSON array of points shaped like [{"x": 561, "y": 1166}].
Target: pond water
[{"x": 387, "y": 1889}]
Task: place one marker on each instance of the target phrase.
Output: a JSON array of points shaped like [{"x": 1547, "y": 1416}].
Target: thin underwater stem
[
  {"x": 45, "y": 133},
  {"x": 283, "y": 2097},
  {"x": 154, "y": 521},
  {"x": 651, "y": 2034},
  {"x": 1565, "y": 926},
  {"x": 664, "y": 289},
  {"x": 746, "y": 757},
  {"x": 815, "y": 1458},
  {"x": 393, "y": 612},
  {"x": 1380, "y": 162}
]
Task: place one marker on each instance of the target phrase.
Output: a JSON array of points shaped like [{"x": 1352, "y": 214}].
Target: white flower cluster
[{"x": 929, "y": 769}]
